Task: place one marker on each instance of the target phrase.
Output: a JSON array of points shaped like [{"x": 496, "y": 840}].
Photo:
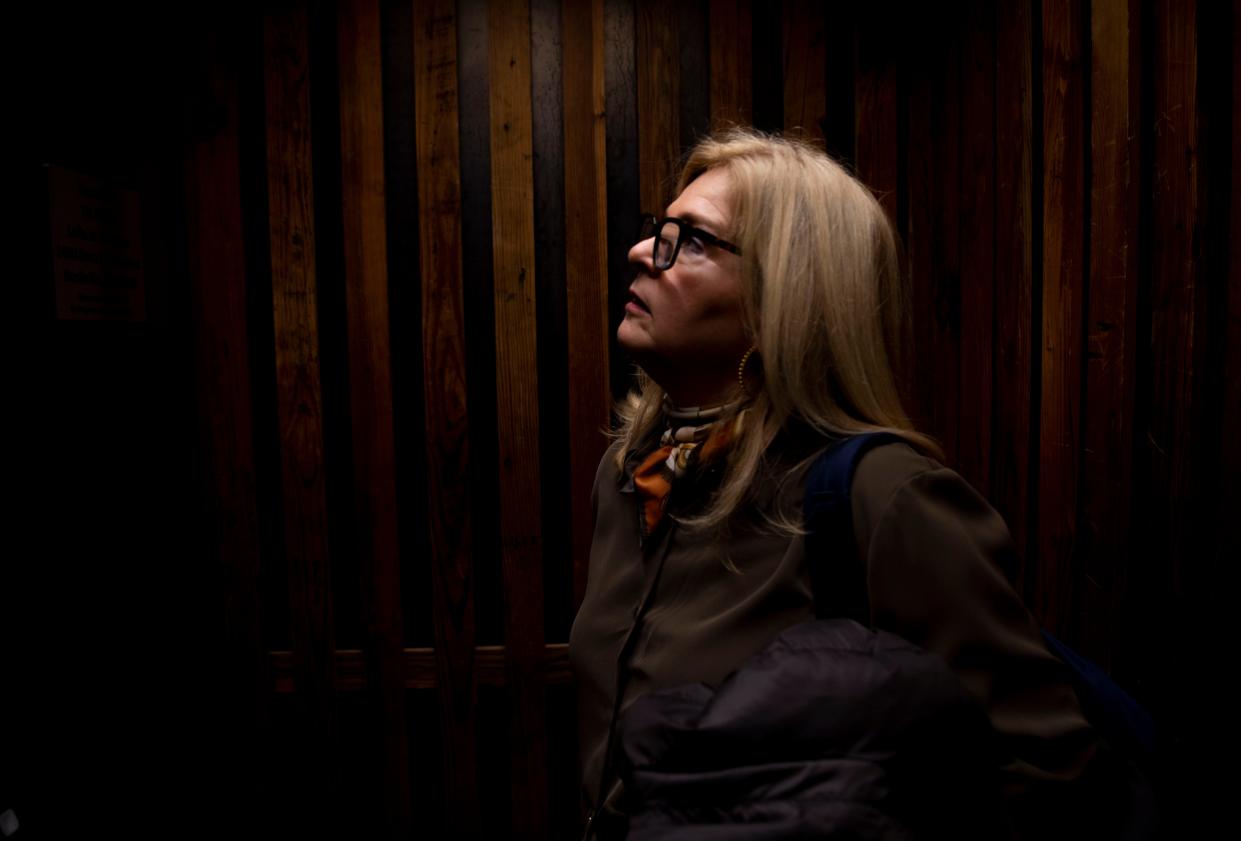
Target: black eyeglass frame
[{"x": 649, "y": 226}]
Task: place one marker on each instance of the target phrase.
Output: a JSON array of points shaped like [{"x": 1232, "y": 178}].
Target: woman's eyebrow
[{"x": 697, "y": 221}]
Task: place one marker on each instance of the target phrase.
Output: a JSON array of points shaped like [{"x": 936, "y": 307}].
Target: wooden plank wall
[
  {"x": 1065, "y": 178},
  {"x": 1064, "y": 213},
  {"x": 445, "y": 403},
  {"x": 218, "y": 281},
  {"x": 299, "y": 401}
]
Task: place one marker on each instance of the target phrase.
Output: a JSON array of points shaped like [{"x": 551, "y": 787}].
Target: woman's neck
[
  {"x": 699, "y": 397},
  {"x": 694, "y": 414}
]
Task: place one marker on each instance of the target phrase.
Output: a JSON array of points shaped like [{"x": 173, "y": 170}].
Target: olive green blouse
[{"x": 673, "y": 611}]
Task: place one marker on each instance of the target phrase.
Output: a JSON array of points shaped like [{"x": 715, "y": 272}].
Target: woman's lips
[{"x": 636, "y": 305}]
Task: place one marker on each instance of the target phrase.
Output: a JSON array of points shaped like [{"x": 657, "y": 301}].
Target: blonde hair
[{"x": 821, "y": 297}]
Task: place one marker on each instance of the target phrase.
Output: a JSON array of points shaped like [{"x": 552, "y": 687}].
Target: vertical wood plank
[
  {"x": 551, "y": 293},
  {"x": 732, "y": 68},
  {"x": 805, "y": 69},
  {"x": 512, "y": 185},
  {"x": 556, "y": 398},
  {"x": 444, "y": 385},
  {"x": 1172, "y": 565},
  {"x": 624, "y": 194},
  {"x": 1107, "y": 452},
  {"x": 934, "y": 232},
  {"x": 547, "y": 66},
  {"x": 694, "y": 70},
  {"x": 1064, "y": 221},
  {"x": 946, "y": 234},
  {"x": 1171, "y": 449},
  {"x": 299, "y": 398},
  {"x": 920, "y": 242},
  {"x": 1231, "y": 544},
  {"x": 1192, "y": 151},
  {"x": 1203, "y": 569},
  {"x": 547, "y": 52},
  {"x": 840, "y": 37},
  {"x": 405, "y": 339},
  {"x": 659, "y": 101},
  {"x": 1226, "y": 543},
  {"x": 218, "y": 287},
  {"x": 370, "y": 390},
  {"x": 875, "y": 122},
  {"x": 767, "y": 82},
  {"x": 473, "y": 93},
  {"x": 877, "y": 146},
  {"x": 977, "y": 234},
  {"x": 1010, "y": 451},
  {"x": 586, "y": 265}
]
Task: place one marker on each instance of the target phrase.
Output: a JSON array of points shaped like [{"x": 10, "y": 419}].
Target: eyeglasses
[{"x": 671, "y": 233}]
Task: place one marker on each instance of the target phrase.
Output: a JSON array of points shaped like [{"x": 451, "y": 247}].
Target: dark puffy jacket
[{"x": 831, "y": 731}]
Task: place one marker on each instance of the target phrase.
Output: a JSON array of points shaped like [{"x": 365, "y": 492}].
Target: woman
[{"x": 763, "y": 317}]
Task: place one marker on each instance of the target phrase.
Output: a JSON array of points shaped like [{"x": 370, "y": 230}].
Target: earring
[{"x": 741, "y": 370}]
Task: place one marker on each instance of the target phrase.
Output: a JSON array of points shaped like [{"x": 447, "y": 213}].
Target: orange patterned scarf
[{"x": 681, "y": 447}]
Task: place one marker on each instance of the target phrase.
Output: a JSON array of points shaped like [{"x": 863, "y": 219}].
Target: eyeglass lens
[{"x": 665, "y": 244}]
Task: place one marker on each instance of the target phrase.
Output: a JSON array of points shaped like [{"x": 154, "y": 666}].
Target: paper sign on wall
[{"x": 96, "y": 248}]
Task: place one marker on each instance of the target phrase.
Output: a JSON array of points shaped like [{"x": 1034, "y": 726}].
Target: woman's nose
[{"x": 642, "y": 255}]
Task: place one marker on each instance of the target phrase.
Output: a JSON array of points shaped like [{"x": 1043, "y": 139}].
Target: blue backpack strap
[
  {"x": 839, "y": 580},
  {"x": 1121, "y": 721},
  {"x": 836, "y": 573}
]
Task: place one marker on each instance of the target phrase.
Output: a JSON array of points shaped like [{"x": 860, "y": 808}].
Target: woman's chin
[{"x": 632, "y": 337}]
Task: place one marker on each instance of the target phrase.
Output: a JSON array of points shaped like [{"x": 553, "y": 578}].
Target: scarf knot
[{"x": 692, "y": 436}]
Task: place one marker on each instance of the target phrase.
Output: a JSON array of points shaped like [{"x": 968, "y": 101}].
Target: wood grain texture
[
  {"x": 405, "y": 332},
  {"x": 215, "y": 257},
  {"x": 547, "y": 52},
  {"x": 767, "y": 49},
  {"x": 920, "y": 206},
  {"x": 840, "y": 44},
  {"x": 1207, "y": 563},
  {"x": 1231, "y": 545},
  {"x": 1111, "y": 324},
  {"x": 363, "y": 216},
  {"x": 1069, "y": 174},
  {"x": 1171, "y": 450},
  {"x": 517, "y": 366},
  {"x": 586, "y": 265},
  {"x": 730, "y": 44},
  {"x": 1176, "y": 564},
  {"x": 875, "y": 123},
  {"x": 473, "y": 93},
  {"x": 659, "y": 105},
  {"x": 877, "y": 151},
  {"x": 947, "y": 235},
  {"x": 978, "y": 278},
  {"x": 934, "y": 233},
  {"x": 420, "y": 669},
  {"x": 805, "y": 70},
  {"x": 624, "y": 193},
  {"x": 447, "y": 423},
  {"x": 1064, "y": 220},
  {"x": 1010, "y": 450},
  {"x": 694, "y": 71},
  {"x": 1173, "y": 566},
  {"x": 299, "y": 400}
]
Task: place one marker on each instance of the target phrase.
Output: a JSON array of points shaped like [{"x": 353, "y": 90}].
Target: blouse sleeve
[{"x": 934, "y": 550}]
